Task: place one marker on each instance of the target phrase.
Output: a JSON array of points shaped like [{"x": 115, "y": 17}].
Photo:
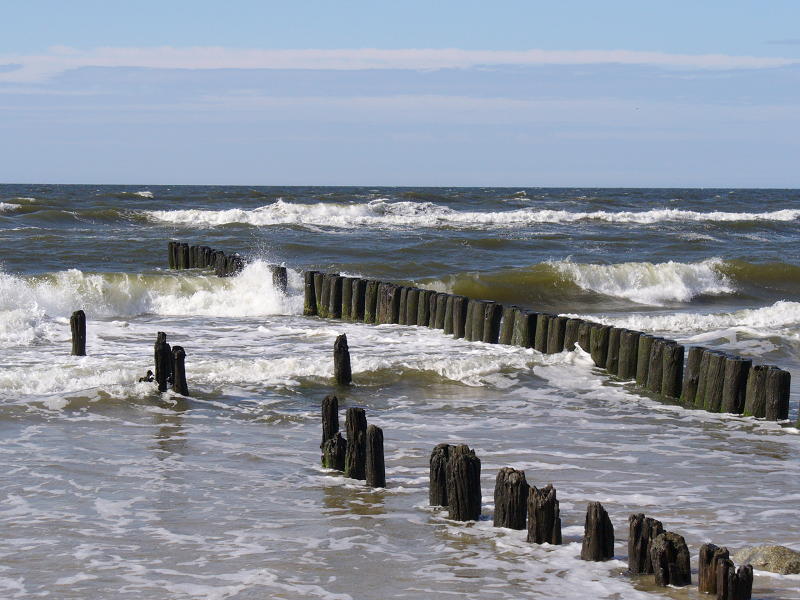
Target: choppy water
[{"x": 110, "y": 490}]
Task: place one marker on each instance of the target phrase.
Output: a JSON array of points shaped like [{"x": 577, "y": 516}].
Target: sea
[{"x": 109, "y": 489}]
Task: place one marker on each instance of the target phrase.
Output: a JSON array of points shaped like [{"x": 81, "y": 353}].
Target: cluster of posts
[
  {"x": 712, "y": 380},
  {"x": 455, "y": 473},
  {"x": 360, "y": 456}
]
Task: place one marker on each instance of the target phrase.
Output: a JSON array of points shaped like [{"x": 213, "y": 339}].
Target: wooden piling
[
  {"x": 492, "y": 314},
  {"x": 598, "y": 534},
  {"x": 468, "y": 326},
  {"x": 280, "y": 277},
  {"x": 707, "y": 562},
  {"x": 347, "y": 298},
  {"x": 163, "y": 361},
  {"x": 441, "y": 309},
  {"x": 412, "y": 306},
  {"x": 643, "y": 358},
  {"x": 324, "y": 309},
  {"x": 691, "y": 375},
  {"x": 437, "y": 490},
  {"x": 402, "y": 316},
  {"x": 356, "y": 456},
  {"x": 335, "y": 297},
  {"x": 628, "y": 354},
  {"x": 671, "y": 370},
  {"x": 375, "y": 470},
  {"x": 734, "y": 385},
  {"x": 715, "y": 380},
  {"x": 598, "y": 344},
  {"x": 556, "y": 332},
  {"x": 309, "y": 295},
  {"x": 656, "y": 366},
  {"x": 342, "y": 373},
  {"x": 357, "y": 300},
  {"x": 571, "y": 333},
  {"x": 670, "y": 558},
  {"x": 459, "y": 316},
  {"x": 585, "y": 335},
  {"x": 542, "y": 328},
  {"x": 179, "y": 371},
  {"x": 432, "y": 300},
  {"x": 334, "y": 452},
  {"x": 612, "y": 357},
  {"x": 448, "y": 315},
  {"x": 171, "y": 254},
  {"x": 544, "y": 516},
  {"x": 184, "y": 257},
  {"x": 755, "y": 401},
  {"x": 423, "y": 307},
  {"x": 732, "y": 583},
  {"x": 77, "y": 325},
  {"x": 388, "y": 304},
  {"x": 318, "y": 278},
  {"x": 371, "y": 301},
  {"x": 510, "y": 499},
  {"x": 464, "y": 484},
  {"x": 524, "y": 328},
  {"x": 330, "y": 417},
  {"x": 777, "y": 394},
  {"x": 641, "y": 530},
  {"x": 507, "y": 325}
]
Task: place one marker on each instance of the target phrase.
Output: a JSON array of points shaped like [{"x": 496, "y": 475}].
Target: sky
[{"x": 439, "y": 93}]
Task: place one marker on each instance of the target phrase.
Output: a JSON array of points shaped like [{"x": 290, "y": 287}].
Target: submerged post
[
  {"x": 670, "y": 558},
  {"x": 510, "y": 498},
  {"x": 375, "y": 469},
  {"x": 598, "y": 534},
  {"x": 356, "y": 456},
  {"x": 179, "y": 371},
  {"x": 77, "y": 323},
  {"x": 341, "y": 361},
  {"x": 707, "y": 562},
  {"x": 641, "y": 530},
  {"x": 333, "y": 446},
  {"x": 464, "y": 484},
  {"x": 163, "y": 360},
  {"x": 310, "y": 296},
  {"x": 544, "y": 516},
  {"x": 437, "y": 491}
]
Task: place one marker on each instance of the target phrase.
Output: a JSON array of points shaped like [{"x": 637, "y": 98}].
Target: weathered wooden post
[
  {"x": 556, "y": 332},
  {"x": 347, "y": 298},
  {"x": 585, "y": 335},
  {"x": 318, "y": 279},
  {"x": 423, "y": 307},
  {"x": 334, "y": 446},
  {"x": 707, "y": 561},
  {"x": 612, "y": 357},
  {"x": 358, "y": 299},
  {"x": 598, "y": 534},
  {"x": 655, "y": 368},
  {"x": 448, "y": 315},
  {"x": 412, "y": 306},
  {"x": 280, "y": 278},
  {"x": 325, "y": 303},
  {"x": 375, "y": 469},
  {"x": 733, "y": 584},
  {"x": 510, "y": 499},
  {"x": 437, "y": 490},
  {"x": 755, "y": 402},
  {"x": 598, "y": 344},
  {"x": 670, "y": 558},
  {"x": 356, "y": 456},
  {"x": 734, "y": 384},
  {"x": 492, "y": 314},
  {"x": 542, "y": 329},
  {"x": 691, "y": 375},
  {"x": 441, "y": 309},
  {"x": 341, "y": 361},
  {"x": 388, "y": 310},
  {"x": 468, "y": 324},
  {"x": 524, "y": 328},
  {"x": 671, "y": 370},
  {"x": 371, "y": 301},
  {"x": 571, "y": 334},
  {"x": 507, "y": 325},
  {"x": 330, "y": 417},
  {"x": 643, "y": 358},
  {"x": 715, "y": 380},
  {"x": 179, "y": 371},
  {"x": 402, "y": 317},
  {"x": 309, "y": 295},
  {"x": 77, "y": 325},
  {"x": 464, "y": 484},
  {"x": 171, "y": 254},
  {"x": 459, "y": 316},
  {"x": 777, "y": 385},
  {"x": 641, "y": 530},
  {"x": 335, "y": 297},
  {"x": 163, "y": 361},
  {"x": 544, "y": 516},
  {"x": 184, "y": 257},
  {"x": 628, "y": 354}
]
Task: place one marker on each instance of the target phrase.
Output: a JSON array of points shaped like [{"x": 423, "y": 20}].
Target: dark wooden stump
[
  {"x": 691, "y": 375},
  {"x": 171, "y": 254},
  {"x": 412, "y": 306},
  {"x": 715, "y": 380},
  {"x": 643, "y": 358},
  {"x": 571, "y": 333},
  {"x": 475, "y": 322},
  {"x": 280, "y": 278},
  {"x": 734, "y": 386},
  {"x": 347, "y": 298},
  {"x": 739, "y": 584},
  {"x": 464, "y": 484},
  {"x": 544, "y": 516},
  {"x": 585, "y": 335},
  {"x": 507, "y": 325},
  {"x": 628, "y": 354},
  {"x": 388, "y": 304},
  {"x": 755, "y": 399},
  {"x": 612, "y": 357},
  {"x": 371, "y": 301},
  {"x": 492, "y": 314},
  {"x": 542, "y": 329},
  {"x": 459, "y": 316},
  {"x": 402, "y": 317},
  {"x": 641, "y": 530},
  {"x": 777, "y": 385},
  {"x": 598, "y": 344},
  {"x": 656, "y": 365},
  {"x": 524, "y": 328},
  {"x": 179, "y": 371},
  {"x": 334, "y": 452},
  {"x": 702, "y": 379},
  {"x": 448, "y": 315},
  {"x": 598, "y": 534},
  {"x": 556, "y": 331},
  {"x": 510, "y": 499},
  {"x": 184, "y": 257},
  {"x": 318, "y": 278},
  {"x": 77, "y": 325},
  {"x": 707, "y": 561},
  {"x": 330, "y": 418},
  {"x": 424, "y": 307},
  {"x": 375, "y": 469},
  {"x": 309, "y": 294},
  {"x": 437, "y": 490},
  {"x": 671, "y": 370},
  {"x": 163, "y": 361},
  {"x": 335, "y": 297},
  {"x": 670, "y": 558},
  {"x": 325, "y": 299},
  {"x": 432, "y": 300},
  {"x": 355, "y": 462},
  {"x": 341, "y": 361},
  {"x": 357, "y": 300},
  {"x": 441, "y": 309}
]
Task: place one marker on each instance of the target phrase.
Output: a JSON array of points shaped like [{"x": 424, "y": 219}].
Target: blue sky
[{"x": 401, "y": 93}]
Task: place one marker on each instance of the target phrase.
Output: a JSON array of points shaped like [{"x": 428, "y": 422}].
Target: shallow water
[{"x": 110, "y": 489}]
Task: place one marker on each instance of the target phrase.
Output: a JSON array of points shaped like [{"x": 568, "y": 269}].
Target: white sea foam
[
  {"x": 144, "y": 194},
  {"x": 385, "y": 213},
  {"x": 649, "y": 283},
  {"x": 8, "y": 206}
]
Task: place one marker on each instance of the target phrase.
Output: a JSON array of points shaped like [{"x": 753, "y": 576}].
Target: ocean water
[{"x": 112, "y": 490}]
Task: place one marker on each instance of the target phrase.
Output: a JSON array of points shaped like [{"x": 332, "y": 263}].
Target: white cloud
[{"x": 38, "y": 67}]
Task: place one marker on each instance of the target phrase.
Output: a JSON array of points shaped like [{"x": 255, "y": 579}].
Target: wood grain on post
[
  {"x": 342, "y": 372},
  {"x": 357, "y": 300},
  {"x": 671, "y": 370},
  {"x": 643, "y": 358},
  {"x": 492, "y": 314},
  {"x": 179, "y": 371},
  {"x": 412, "y": 306},
  {"x": 356, "y": 457},
  {"x": 598, "y": 534},
  {"x": 171, "y": 254},
  {"x": 330, "y": 417},
  {"x": 542, "y": 329},
  {"x": 424, "y": 307},
  {"x": 325, "y": 301},
  {"x": 612, "y": 357},
  {"x": 335, "y": 297},
  {"x": 371, "y": 301},
  {"x": 280, "y": 278},
  {"x": 459, "y": 316},
  {"x": 571, "y": 334},
  {"x": 628, "y": 354},
  {"x": 448, "y": 315},
  {"x": 510, "y": 499},
  {"x": 691, "y": 375},
  {"x": 464, "y": 484},
  {"x": 755, "y": 399},
  {"x": 585, "y": 335},
  {"x": 777, "y": 385},
  {"x": 77, "y": 325},
  {"x": 715, "y": 380},
  {"x": 507, "y": 325},
  {"x": 309, "y": 294},
  {"x": 524, "y": 328},
  {"x": 556, "y": 332},
  {"x": 544, "y": 516},
  {"x": 598, "y": 344},
  {"x": 670, "y": 558},
  {"x": 318, "y": 278},
  {"x": 707, "y": 561},
  {"x": 347, "y": 298},
  {"x": 440, "y": 310},
  {"x": 437, "y": 490},
  {"x": 656, "y": 365},
  {"x": 402, "y": 316},
  {"x": 334, "y": 453},
  {"x": 375, "y": 469},
  {"x": 163, "y": 361},
  {"x": 734, "y": 386},
  {"x": 641, "y": 530}
]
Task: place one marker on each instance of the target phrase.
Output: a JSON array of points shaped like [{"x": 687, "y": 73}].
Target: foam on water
[
  {"x": 144, "y": 194},
  {"x": 8, "y": 206},
  {"x": 385, "y": 213}
]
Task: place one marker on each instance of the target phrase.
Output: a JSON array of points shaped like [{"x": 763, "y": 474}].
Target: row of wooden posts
[{"x": 712, "y": 380}]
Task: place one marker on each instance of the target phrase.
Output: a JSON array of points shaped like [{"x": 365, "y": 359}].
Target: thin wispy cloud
[{"x": 30, "y": 68}]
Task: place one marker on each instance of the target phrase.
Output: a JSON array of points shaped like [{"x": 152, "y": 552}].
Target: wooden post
[
  {"x": 670, "y": 558},
  {"x": 184, "y": 257},
  {"x": 542, "y": 329},
  {"x": 556, "y": 332},
  {"x": 585, "y": 335},
  {"x": 641, "y": 530},
  {"x": 357, "y": 300},
  {"x": 402, "y": 317},
  {"x": 437, "y": 491},
  {"x": 459, "y": 316},
  {"x": 330, "y": 417},
  {"x": 598, "y": 344},
  {"x": 441, "y": 309},
  {"x": 777, "y": 394},
  {"x": 347, "y": 298},
  {"x": 598, "y": 534},
  {"x": 510, "y": 499},
  {"x": 423, "y": 307},
  {"x": 309, "y": 295},
  {"x": 656, "y": 365},
  {"x": 544, "y": 516},
  {"x": 715, "y": 379},
  {"x": 388, "y": 310},
  {"x": 524, "y": 328},
  {"x": 375, "y": 469},
  {"x": 643, "y": 358},
  {"x": 77, "y": 325},
  {"x": 464, "y": 484},
  {"x": 163, "y": 361},
  {"x": 335, "y": 297},
  {"x": 755, "y": 401},
  {"x": 371, "y": 301},
  {"x": 341, "y": 361},
  {"x": 471, "y": 304},
  {"x": 356, "y": 456},
  {"x": 707, "y": 561},
  {"x": 507, "y": 325},
  {"x": 334, "y": 446},
  {"x": 732, "y": 583},
  {"x": 179, "y": 371},
  {"x": 691, "y": 376},
  {"x": 571, "y": 333},
  {"x": 492, "y": 314},
  {"x": 318, "y": 279},
  {"x": 612, "y": 358},
  {"x": 671, "y": 370},
  {"x": 735, "y": 384},
  {"x": 432, "y": 299},
  {"x": 448, "y": 315},
  {"x": 412, "y": 306},
  {"x": 171, "y": 254},
  {"x": 280, "y": 278},
  {"x": 325, "y": 303},
  {"x": 628, "y": 354}
]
